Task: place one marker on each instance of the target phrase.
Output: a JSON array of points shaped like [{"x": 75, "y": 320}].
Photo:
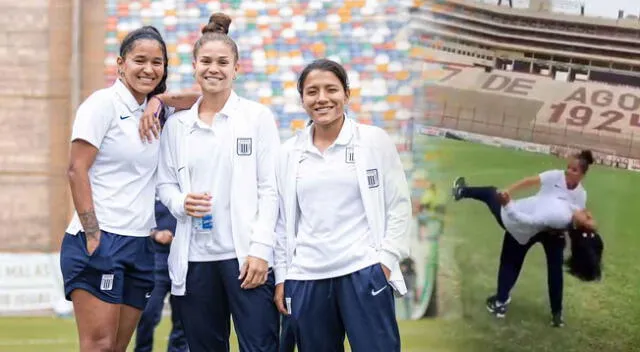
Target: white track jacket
[
  {"x": 254, "y": 199},
  {"x": 387, "y": 205}
]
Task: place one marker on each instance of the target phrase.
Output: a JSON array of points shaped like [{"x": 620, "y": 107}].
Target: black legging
[
  {"x": 512, "y": 258},
  {"x": 513, "y": 253}
]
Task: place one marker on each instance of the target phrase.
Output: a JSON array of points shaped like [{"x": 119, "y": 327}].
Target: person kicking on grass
[{"x": 524, "y": 221}]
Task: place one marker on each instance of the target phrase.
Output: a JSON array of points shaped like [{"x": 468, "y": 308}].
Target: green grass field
[
  {"x": 601, "y": 317},
  {"x": 59, "y": 335}
]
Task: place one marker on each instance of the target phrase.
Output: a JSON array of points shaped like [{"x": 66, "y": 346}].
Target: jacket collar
[
  {"x": 231, "y": 109},
  {"x": 346, "y": 135}
]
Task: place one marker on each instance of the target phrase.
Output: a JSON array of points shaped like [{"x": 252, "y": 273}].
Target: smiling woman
[
  {"x": 106, "y": 258},
  {"x": 217, "y": 177},
  {"x": 142, "y": 64},
  {"x": 336, "y": 271}
]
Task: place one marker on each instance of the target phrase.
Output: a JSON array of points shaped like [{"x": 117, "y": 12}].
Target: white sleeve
[
  {"x": 549, "y": 216},
  {"x": 532, "y": 219},
  {"x": 582, "y": 199},
  {"x": 168, "y": 186},
  {"x": 169, "y": 111},
  {"x": 395, "y": 243},
  {"x": 263, "y": 236},
  {"x": 92, "y": 122},
  {"x": 548, "y": 178},
  {"x": 280, "y": 249}
]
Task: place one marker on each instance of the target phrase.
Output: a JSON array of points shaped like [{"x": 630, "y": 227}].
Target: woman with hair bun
[
  {"x": 217, "y": 177},
  {"x": 563, "y": 184}
]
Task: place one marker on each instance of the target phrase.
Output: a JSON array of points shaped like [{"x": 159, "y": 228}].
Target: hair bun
[
  {"x": 218, "y": 23},
  {"x": 587, "y": 155}
]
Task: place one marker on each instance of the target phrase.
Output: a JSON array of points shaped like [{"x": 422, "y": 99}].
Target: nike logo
[
  {"x": 147, "y": 295},
  {"x": 124, "y": 117},
  {"x": 375, "y": 293},
  {"x": 180, "y": 169}
]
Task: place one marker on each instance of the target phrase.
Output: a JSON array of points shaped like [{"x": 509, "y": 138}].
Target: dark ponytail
[
  {"x": 585, "y": 158},
  {"x": 585, "y": 262}
]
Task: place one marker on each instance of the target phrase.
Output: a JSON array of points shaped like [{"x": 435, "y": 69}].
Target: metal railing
[{"x": 528, "y": 129}]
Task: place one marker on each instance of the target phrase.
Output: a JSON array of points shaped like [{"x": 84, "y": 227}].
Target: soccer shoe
[
  {"x": 557, "y": 321},
  {"x": 456, "y": 190},
  {"x": 497, "y": 308}
]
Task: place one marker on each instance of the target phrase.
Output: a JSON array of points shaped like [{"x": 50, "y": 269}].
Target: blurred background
[
  {"x": 55, "y": 53},
  {"x": 464, "y": 87}
]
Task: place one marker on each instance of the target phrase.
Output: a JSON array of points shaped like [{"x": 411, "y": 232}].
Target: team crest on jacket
[
  {"x": 372, "y": 178},
  {"x": 348, "y": 156},
  {"x": 244, "y": 146}
]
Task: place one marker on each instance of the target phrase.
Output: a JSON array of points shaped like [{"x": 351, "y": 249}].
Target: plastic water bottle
[{"x": 203, "y": 225}]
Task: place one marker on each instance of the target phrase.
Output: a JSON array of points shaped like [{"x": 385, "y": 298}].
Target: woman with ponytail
[
  {"x": 563, "y": 184},
  {"x": 106, "y": 257},
  {"x": 217, "y": 177}
]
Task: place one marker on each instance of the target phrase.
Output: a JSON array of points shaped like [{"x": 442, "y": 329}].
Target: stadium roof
[{"x": 629, "y": 23}]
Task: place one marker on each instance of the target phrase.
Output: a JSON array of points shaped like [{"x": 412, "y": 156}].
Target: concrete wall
[
  {"x": 36, "y": 116},
  {"x": 521, "y": 106},
  {"x": 34, "y": 62}
]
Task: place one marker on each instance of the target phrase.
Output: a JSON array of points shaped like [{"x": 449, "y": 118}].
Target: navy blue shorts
[
  {"x": 360, "y": 304},
  {"x": 119, "y": 271}
]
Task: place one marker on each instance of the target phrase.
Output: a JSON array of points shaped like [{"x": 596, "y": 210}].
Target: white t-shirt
[
  {"x": 333, "y": 237},
  {"x": 122, "y": 176},
  {"x": 526, "y": 217},
  {"x": 554, "y": 182},
  {"x": 210, "y": 171}
]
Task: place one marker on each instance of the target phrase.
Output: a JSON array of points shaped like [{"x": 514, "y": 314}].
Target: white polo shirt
[
  {"x": 122, "y": 176},
  {"x": 333, "y": 236},
  {"x": 210, "y": 170},
  {"x": 526, "y": 217},
  {"x": 554, "y": 182}
]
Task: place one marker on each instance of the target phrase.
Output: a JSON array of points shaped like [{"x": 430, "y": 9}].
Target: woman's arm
[
  {"x": 280, "y": 257},
  {"x": 180, "y": 100},
  {"x": 92, "y": 122},
  {"x": 529, "y": 182},
  {"x": 168, "y": 187},
  {"x": 395, "y": 243},
  {"x": 262, "y": 237},
  {"x": 83, "y": 154},
  {"x": 149, "y": 127}
]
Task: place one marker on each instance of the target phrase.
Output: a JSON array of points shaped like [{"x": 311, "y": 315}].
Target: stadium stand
[
  {"x": 277, "y": 39},
  {"x": 531, "y": 75}
]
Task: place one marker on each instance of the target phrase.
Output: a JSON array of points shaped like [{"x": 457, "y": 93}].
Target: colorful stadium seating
[{"x": 277, "y": 39}]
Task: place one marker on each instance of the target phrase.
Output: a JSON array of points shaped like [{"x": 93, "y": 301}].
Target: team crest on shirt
[
  {"x": 348, "y": 156},
  {"x": 244, "y": 146},
  {"x": 372, "y": 178}
]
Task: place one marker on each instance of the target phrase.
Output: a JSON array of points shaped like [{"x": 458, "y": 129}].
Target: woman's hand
[
  {"x": 278, "y": 299},
  {"x": 504, "y": 198},
  {"x": 254, "y": 273},
  {"x": 386, "y": 271},
  {"x": 163, "y": 237},
  {"x": 197, "y": 205},
  {"x": 149, "y": 126},
  {"x": 93, "y": 241}
]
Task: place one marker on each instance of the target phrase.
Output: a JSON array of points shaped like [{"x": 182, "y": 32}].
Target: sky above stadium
[{"x": 596, "y": 8}]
